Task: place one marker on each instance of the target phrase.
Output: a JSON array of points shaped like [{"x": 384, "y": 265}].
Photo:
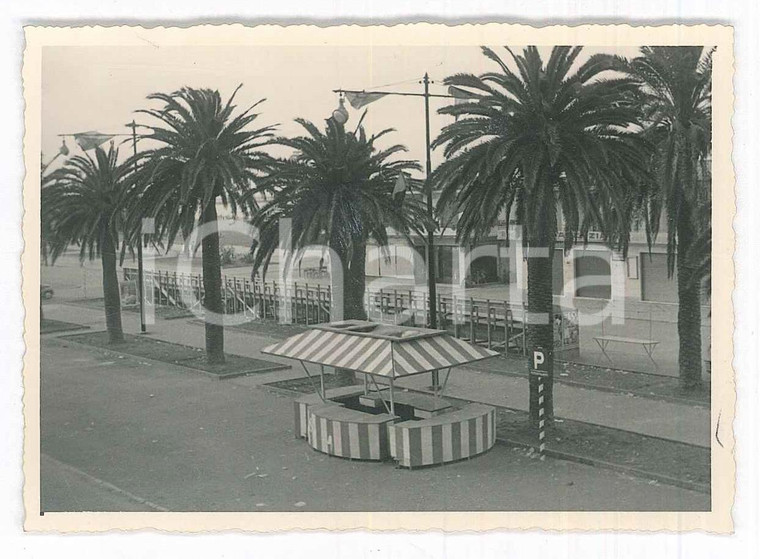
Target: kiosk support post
[{"x": 393, "y": 409}]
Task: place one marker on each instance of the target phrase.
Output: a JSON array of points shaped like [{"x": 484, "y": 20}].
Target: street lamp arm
[
  {"x": 79, "y": 134},
  {"x": 402, "y": 93}
]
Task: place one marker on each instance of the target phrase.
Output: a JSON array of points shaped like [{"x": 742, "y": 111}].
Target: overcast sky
[{"x": 88, "y": 88}]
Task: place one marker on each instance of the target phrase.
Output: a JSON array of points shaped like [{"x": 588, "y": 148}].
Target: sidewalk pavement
[
  {"x": 123, "y": 434},
  {"x": 675, "y": 421}
]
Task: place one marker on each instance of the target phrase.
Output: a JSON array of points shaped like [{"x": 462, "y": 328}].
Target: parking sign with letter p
[{"x": 539, "y": 361}]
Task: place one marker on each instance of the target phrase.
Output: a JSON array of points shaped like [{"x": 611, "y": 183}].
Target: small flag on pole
[
  {"x": 401, "y": 184},
  {"x": 91, "y": 140},
  {"x": 399, "y": 189},
  {"x": 460, "y": 96},
  {"x": 359, "y": 100}
]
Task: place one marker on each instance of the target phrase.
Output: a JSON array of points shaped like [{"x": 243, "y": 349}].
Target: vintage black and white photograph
[{"x": 351, "y": 277}]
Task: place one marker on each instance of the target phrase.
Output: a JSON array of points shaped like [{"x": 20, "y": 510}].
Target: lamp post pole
[
  {"x": 432, "y": 296},
  {"x": 429, "y": 192},
  {"x": 140, "y": 294}
]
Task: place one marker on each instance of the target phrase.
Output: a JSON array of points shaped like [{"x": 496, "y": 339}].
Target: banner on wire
[{"x": 359, "y": 100}]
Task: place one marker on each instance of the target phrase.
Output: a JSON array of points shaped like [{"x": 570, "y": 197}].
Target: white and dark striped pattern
[
  {"x": 379, "y": 356},
  {"x": 541, "y": 419},
  {"x": 301, "y": 405},
  {"x": 445, "y": 438},
  {"x": 346, "y": 433}
]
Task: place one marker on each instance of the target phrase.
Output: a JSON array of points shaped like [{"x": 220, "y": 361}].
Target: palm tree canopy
[
  {"x": 338, "y": 189},
  {"x": 79, "y": 203},
  {"x": 204, "y": 152},
  {"x": 547, "y": 137},
  {"x": 675, "y": 94}
]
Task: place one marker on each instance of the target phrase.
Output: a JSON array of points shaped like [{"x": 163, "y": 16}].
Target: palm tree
[
  {"x": 338, "y": 190},
  {"x": 205, "y": 154},
  {"x": 542, "y": 139},
  {"x": 676, "y": 99},
  {"x": 80, "y": 204}
]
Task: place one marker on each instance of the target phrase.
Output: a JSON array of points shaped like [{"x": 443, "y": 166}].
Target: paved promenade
[
  {"x": 677, "y": 421},
  {"x": 124, "y": 434}
]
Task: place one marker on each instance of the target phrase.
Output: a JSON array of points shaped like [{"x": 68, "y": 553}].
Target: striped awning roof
[{"x": 389, "y": 352}]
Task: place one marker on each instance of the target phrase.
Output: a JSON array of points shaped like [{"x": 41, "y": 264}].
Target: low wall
[
  {"x": 339, "y": 431},
  {"x": 301, "y": 405},
  {"x": 445, "y": 438}
]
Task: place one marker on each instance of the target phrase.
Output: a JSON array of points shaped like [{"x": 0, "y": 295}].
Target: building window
[
  {"x": 655, "y": 284},
  {"x": 445, "y": 262},
  {"x": 592, "y": 274}
]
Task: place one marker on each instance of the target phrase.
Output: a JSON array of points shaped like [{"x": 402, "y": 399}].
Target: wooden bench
[{"x": 648, "y": 345}]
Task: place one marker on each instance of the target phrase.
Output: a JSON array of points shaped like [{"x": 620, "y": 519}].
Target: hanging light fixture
[
  {"x": 340, "y": 115},
  {"x": 64, "y": 149}
]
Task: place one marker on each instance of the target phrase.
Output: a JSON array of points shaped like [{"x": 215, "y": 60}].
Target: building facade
[{"x": 588, "y": 270}]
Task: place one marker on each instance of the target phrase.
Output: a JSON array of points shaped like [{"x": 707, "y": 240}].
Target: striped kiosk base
[
  {"x": 339, "y": 431},
  {"x": 452, "y": 436},
  {"x": 302, "y": 404}
]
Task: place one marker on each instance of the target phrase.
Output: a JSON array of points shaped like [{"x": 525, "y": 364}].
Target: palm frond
[
  {"x": 544, "y": 138},
  {"x": 337, "y": 188},
  {"x": 81, "y": 201},
  {"x": 205, "y": 154}
]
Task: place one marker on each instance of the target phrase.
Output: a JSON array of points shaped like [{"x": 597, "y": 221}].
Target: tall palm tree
[
  {"x": 338, "y": 190},
  {"x": 676, "y": 99},
  {"x": 204, "y": 154},
  {"x": 542, "y": 138},
  {"x": 80, "y": 205}
]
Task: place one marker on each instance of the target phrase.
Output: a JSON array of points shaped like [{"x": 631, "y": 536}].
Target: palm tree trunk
[
  {"x": 689, "y": 310},
  {"x": 353, "y": 296},
  {"x": 540, "y": 307},
  {"x": 212, "y": 282},
  {"x": 111, "y": 295},
  {"x": 354, "y": 284},
  {"x": 539, "y": 322}
]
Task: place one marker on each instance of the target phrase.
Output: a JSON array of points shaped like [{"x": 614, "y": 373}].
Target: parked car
[{"x": 46, "y": 291}]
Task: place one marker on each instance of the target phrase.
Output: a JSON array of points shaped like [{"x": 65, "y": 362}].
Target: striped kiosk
[{"x": 374, "y": 421}]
